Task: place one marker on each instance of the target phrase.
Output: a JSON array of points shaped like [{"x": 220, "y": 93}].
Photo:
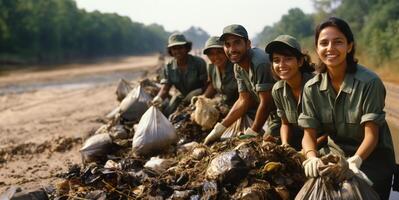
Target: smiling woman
[{"x": 351, "y": 99}]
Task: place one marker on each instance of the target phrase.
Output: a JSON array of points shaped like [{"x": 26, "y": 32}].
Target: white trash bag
[
  {"x": 154, "y": 133},
  {"x": 122, "y": 89},
  {"x": 134, "y": 104},
  {"x": 96, "y": 147},
  {"x": 237, "y": 128},
  {"x": 205, "y": 114}
]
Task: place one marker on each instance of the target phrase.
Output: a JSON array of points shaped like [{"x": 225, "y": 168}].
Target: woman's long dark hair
[
  {"x": 342, "y": 26},
  {"x": 307, "y": 65}
]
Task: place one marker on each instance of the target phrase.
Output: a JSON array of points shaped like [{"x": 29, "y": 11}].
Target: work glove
[
  {"x": 354, "y": 164},
  {"x": 157, "y": 100},
  {"x": 251, "y": 132},
  {"x": 216, "y": 132},
  {"x": 310, "y": 166}
]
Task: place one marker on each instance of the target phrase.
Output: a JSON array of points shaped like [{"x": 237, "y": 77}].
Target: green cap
[
  {"x": 234, "y": 29},
  {"x": 212, "y": 42},
  {"x": 177, "y": 39},
  {"x": 286, "y": 40}
]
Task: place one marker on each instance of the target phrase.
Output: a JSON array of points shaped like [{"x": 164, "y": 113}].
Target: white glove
[
  {"x": 157, "y": 100},
  {"x": 354, "y": 164},
  {"x": 310, "y": 166},
  {"x": 249, "y": 131},
  {"x": 215, "y": 133}
]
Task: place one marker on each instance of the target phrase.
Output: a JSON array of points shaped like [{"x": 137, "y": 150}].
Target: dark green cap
[
  {"x": 234, "y": 29},
  {"x": 286, "y": 40},
  {"x": 212, "y": 42},
  {"x": 177, "y": 39}
]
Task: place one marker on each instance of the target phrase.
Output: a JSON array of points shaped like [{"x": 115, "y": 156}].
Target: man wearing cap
[
  {"x": 254, "y": 80},
  {"x": 220, "y": 72},
  {"x": 185, "y": 71}
]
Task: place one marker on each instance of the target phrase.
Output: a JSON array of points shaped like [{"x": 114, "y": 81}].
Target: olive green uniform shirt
[
  {"x": 259, "y": 78},
  {"x": 361, "y": 99},
  {"x": 224, "y": 83},
  {"x": 285, "y": 102},
  {"x": 193, "y": 78}
]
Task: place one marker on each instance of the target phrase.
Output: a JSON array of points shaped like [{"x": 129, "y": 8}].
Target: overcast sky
[{"x": 211, "y": 15}]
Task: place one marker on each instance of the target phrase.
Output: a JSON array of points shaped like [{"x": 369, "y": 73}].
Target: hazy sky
[{"x": 211, "y": 15}]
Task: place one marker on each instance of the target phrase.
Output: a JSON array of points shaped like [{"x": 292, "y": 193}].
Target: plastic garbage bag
[
  {"x": 96, "y": 147},
  {"x": 159, "y": 164},
  {"x": 336, "y": 182},
  {"x": 227, "y": 167},
  {"x": 237, "y": 128},
  {"x": 122, "y": 89},
  {"x": 134, "y": 104},
  {"x": 154, "y": 133},
  {"x": 205, "y": 114}
]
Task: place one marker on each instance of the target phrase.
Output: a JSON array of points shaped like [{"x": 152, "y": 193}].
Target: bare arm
[
  {"x": 370, "y": 140},
  {"x": 262, "y": 113},
  {"x": 164, "y": 90},
  {"x": 285, "y": 131},
  {"x": 210, "y": 91},
  {"x": 309, "y": 142},
  {"x": 238, "y": 110}
]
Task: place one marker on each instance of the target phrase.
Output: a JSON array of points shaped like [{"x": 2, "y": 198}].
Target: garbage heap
[
  {"x": 252, "y": 168},
  {"x": 235, "y": 168}
]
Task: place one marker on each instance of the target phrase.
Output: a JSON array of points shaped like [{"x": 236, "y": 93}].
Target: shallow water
[{"x": 72, "y": 83}]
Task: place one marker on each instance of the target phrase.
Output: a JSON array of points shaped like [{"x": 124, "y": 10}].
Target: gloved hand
[
  {"x": 354, "y": 164},
  {"x": 249, "y": 131},
  {"x": 310, "y": 166},
  {"x": 157, "y": 100},
  {"x": 215, "y": 133}
]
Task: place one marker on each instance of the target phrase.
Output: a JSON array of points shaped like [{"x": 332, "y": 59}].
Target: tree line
[
  {"x": 375, "y": 24},
  {"x": 51, "y": 31}
]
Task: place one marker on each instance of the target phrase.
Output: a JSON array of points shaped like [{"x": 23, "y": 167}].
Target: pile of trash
[
  {"x": 140, "y": 154},
  {"x": 248, "y": 168}
]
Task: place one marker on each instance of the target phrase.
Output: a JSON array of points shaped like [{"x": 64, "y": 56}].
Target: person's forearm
[
  {"x": 322, "y": 140},
  {"x": 260, "y": 118},
  {"x": 370, "y": 140},
  {"x": 238, "y": 110},
  {"x": 285, "y": 133},
  {"x": 309, "y": 143},
  {"x": 210, "y": 91},
  {"x": 163, "y": 92}
]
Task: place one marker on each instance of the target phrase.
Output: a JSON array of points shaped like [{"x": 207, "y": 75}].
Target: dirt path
[{"x": 44, "y": 115}]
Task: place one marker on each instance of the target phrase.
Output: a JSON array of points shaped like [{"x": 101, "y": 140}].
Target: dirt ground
[{"x": 45, "y": 115}]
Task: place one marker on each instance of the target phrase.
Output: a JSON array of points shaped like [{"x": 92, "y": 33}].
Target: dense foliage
[
  {"x": 375, "y": 24},
  {"x": 43, "y": 31}
]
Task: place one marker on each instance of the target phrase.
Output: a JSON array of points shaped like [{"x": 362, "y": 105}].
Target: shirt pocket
[{"x": 352, "y": 117}]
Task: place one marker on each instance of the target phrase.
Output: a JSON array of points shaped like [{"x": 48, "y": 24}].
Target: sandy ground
[{"x": 45, "y": 115}]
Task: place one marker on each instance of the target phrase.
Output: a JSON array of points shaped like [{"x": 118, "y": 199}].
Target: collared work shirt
[
  {"x": 224, "y": 83},
  {"x": 287, "y": 106},
  {"x": 194, "y": 77},
  {"x": 360, "y": 99},
  {"x": 259, "y": 76}
]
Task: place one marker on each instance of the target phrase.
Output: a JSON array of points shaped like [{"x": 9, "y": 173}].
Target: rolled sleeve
[
  {"x": 379, "y": 119},
  {"x": 264, "y": 80},
  {"x": 281, "y": 113},
  {"x": 263, "y": 87},
  {"x": 374, "y": 102},
  {"x": 165, "y": 75},
  {"x": 305, "y": 121}
]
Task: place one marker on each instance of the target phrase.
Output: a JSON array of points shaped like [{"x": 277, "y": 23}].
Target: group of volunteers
[{"x": 335, "y": 106}]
